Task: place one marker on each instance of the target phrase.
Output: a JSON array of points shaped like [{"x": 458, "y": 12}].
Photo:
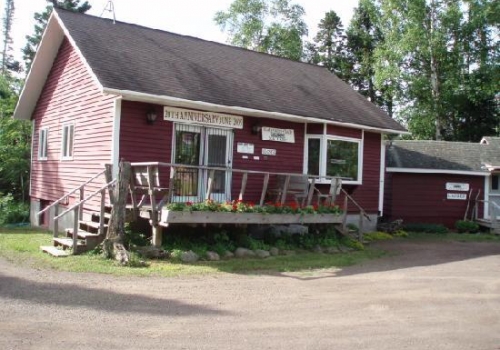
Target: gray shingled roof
[
  {"x": 442, "y": 155},
  {"x": 130, "y": 57}
]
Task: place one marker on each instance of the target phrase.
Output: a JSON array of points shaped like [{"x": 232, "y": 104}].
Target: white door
[{"x": 201, "y": 146}]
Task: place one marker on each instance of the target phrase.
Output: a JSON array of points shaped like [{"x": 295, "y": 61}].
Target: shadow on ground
[
  {"x": 406, "y": 254},
  {"x": 101, "y": 300}
]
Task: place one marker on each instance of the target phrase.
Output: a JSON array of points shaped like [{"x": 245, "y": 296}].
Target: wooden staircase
[
  {"x": 88, "y": 237},
  {"x": 89, "y": 229}
]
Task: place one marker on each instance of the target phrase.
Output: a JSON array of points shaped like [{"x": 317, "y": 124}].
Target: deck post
[
  {"x": 75, "y": 230},
  {"x": 264, "y": 189},
  {"x": 152, "y": 198},
  {"x": 243, "y": 186},
  {"x": 82, "y": 196},
  {"x": 56, "y": 221},
  {"x": 101, "y": 214},
  {"x": 157, "y": 236}
]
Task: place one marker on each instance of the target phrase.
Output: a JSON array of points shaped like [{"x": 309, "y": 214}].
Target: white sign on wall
[
  {"x": 268, "y": 152},
  {"x": 456, "y": 196},
  {"x": 457, "y": 186},
  {"x": 278, "y": 135},
  {"x": 201, "y": 117},
  {"x": 247, "y": 148}
]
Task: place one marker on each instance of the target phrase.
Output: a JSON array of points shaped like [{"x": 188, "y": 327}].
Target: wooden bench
[{"x": 297, "y": 186}]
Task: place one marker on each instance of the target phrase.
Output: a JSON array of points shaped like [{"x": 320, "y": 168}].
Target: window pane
[
  {"x": 65, "y": 142},
  {"x": 313, "y": 149},
  {"x": 494, "y": 182},
  {"x": 70, "y": 140},
  {"x": 342, "y": 159}
]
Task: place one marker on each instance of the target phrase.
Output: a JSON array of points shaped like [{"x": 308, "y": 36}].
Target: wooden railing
[
  {"x": 494, "y": 211},
  {"x": 77, "y": 207},
  {"x": 151, "y": 173},
  {"x": 81, "y": 191},
  {"x": 362, "y": 214}
]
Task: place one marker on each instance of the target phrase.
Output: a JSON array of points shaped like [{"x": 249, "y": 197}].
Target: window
[
  {"x": 68, "y": 132},
  {"x": 334, "y": 156},
  {"x": 495, "y": 182},
  {"x": 42, "y": 143}
]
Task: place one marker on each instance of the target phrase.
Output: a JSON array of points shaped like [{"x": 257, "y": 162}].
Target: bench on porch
[{"x": 303, "y": 189}]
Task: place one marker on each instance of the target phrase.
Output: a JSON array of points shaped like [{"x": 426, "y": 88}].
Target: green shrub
[
  {"x": 13, "y": 212},
  {"x": 426, "y": 228},
  {"x": 466, "y": 226},
  {"x": 400, "y": 233},
  {"x": 377, "y": 236}
]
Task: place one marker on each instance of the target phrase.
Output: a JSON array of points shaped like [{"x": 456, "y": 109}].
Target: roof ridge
[{"x": 197, "y": 39}]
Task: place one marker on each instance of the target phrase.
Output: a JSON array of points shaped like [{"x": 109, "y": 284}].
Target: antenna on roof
[{"x": 110, "y": 7}]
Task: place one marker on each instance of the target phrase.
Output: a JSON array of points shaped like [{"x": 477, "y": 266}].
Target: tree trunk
[{"x": 113, "y": 244}]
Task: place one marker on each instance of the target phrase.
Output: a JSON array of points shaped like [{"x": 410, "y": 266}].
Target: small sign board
[
  {"x": 201, "y": 117},
  {"x": 268, "y": 152},
  {"x": 246, "y": 148},
  {"x": 456, "y": 196},
  {"x": 457, "y": 186},
  {"x": 278, "y": 135}
]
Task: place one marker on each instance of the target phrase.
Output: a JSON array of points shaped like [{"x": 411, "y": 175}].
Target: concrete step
[{"x": 58, "y": 253}]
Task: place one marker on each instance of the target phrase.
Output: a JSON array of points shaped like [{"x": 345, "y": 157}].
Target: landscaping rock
[
  {"x": 288, "y": 230},
  {"x": 244, "y": 253},
  {"x": 274, "y": 251},
  {"x": 189, "y": 257},
  {"x": 317, "y": 249},
  {"x": 228, "y": 255},
  {"x": 332, "y": 250},
  {"x": 262, "y": 253},
  {"x": 213, "y": 256},
  {"x": 288, "y": 252},
  {"x": 153, "y": 252}
]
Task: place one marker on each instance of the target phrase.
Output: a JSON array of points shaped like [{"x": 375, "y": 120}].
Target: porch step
[
  {"x": 67, "y": 243},
  {"x": 82, "y": 234},
  {"x": 91, "y": 226},
  {"x": 58, "y": 253}
]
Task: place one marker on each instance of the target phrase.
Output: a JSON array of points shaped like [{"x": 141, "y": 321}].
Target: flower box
[{"x": 208, "y": 217}]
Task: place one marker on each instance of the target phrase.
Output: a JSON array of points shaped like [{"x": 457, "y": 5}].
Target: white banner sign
[
  {"x": 201, "y": 117},
  {"x": 279, "y": 135},
  {"x": 457, "y": 186}
]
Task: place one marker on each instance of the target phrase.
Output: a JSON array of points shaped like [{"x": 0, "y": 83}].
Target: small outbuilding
[{"x": 441, "y": 182}]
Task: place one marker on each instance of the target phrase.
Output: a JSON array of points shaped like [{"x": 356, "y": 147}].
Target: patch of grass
[{"x": 23, "y": 246}]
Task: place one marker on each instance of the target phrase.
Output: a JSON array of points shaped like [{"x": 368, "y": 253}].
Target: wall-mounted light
[
  {"x": 256, "y": 128},
  {"x": 151, "y": 116}
]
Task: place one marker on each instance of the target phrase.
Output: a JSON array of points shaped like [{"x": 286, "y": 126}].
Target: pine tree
[{"x": 41, "y": 19}]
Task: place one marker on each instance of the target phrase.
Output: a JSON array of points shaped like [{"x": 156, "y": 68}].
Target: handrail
[
  {"x": 361, "y": 210},
  {"x": 83, "y": 201},
  {"x": 202, "y": 167},
  {"x": 70, "y": 193}
]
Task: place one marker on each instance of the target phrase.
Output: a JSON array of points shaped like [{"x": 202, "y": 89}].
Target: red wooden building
[
  {"x": 100, "y": 91},
  {"x": 441, "y": 182}
]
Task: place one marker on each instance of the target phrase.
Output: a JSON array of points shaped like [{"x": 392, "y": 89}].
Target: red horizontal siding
[
  {"x": 422, "y": 198},
  {"x": 70, "y": 95}
]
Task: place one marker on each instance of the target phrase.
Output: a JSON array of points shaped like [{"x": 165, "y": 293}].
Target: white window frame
[
  {"x": 67, "y": 144},
  {"x": 323, "y": 152},
  {"x": 43, "y": 135}
]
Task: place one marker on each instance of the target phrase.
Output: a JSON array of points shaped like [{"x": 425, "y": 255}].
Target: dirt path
[{"x": 427, "y": 296}]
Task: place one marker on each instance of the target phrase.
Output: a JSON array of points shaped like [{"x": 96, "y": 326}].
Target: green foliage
[
  {"x": 400, "y": 233},
  {"x": 272, "y": 26},
  {"x": 426, "y": 228},
  {"x": 466, "y": 226},
  {"x": 248, "y": 207},
  {"x": 377, "y": 236},
  {"x": 13, "y": 212},
  {"x": 41, "y": 20}
]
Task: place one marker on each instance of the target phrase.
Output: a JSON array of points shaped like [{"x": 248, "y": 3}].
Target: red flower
[{"x": 189, "y": 204}]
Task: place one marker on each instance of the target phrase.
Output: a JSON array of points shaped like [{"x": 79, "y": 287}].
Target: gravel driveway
[{"x": 426, "y": 295}]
